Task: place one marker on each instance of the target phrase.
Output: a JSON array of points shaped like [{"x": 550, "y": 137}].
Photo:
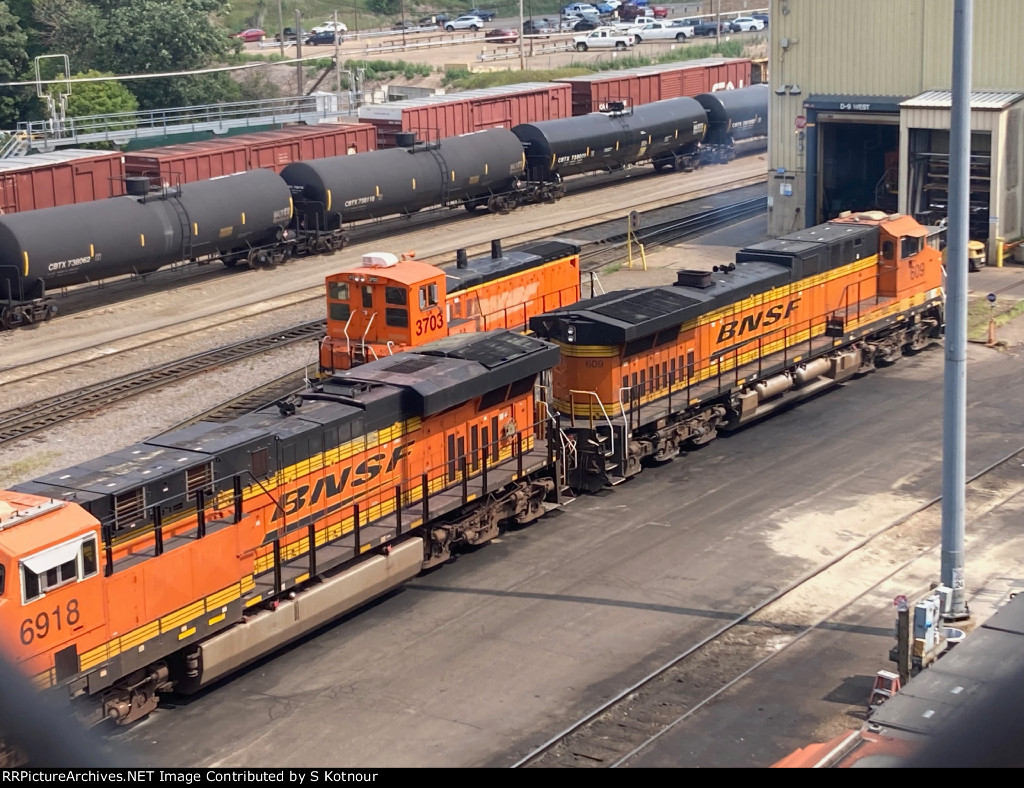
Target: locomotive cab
[
  {"x": 383, "y": 307},
  {"x": 51, "y": 595}
]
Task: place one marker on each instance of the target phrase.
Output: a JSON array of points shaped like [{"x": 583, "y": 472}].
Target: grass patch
[{"x": 980, "y": 312}]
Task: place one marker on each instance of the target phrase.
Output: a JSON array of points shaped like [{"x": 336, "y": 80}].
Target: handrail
[{"x": 611, "y": 427}]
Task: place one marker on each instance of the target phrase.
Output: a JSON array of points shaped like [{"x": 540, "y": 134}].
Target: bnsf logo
[
  {"x": 731, "y": 329},
  {"x": 335, "y": 484}
]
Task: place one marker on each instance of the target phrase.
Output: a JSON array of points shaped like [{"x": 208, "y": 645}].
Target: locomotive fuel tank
[
  {"x": 68, "y": 245},
  {"x": 735, "y": 115},
  {"x": 407, "y": 179},
  {"x": 659, "y": 131}
]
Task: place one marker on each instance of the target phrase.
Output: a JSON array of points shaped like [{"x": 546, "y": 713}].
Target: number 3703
[{"x": 57, "y": 619}]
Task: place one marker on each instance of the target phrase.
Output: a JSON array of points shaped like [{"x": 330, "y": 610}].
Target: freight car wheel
[
  {"x": 581, "y": 47},
  {"x": 7, "y": 319}
]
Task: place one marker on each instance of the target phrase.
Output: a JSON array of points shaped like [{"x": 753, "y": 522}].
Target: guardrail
[{"x": 120, "y": 127}]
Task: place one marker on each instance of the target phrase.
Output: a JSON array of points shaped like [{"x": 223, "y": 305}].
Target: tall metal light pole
[{"x": 954, "y": 432}]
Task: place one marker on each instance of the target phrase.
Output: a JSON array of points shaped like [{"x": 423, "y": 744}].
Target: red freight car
[
  {"x": 61, "y": 177},
  {"x": 196, "y": 161},
  {"x": 595, "y": 92},
  {"x": 448, "y": 115}
]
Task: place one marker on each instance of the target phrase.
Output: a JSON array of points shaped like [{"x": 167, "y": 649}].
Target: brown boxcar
[
  {"x": 62, "y": 177},
  {"x": 448, "y": 115},
  {"x": 196, "y": 161},
  {"x": 596, "y": 92}
]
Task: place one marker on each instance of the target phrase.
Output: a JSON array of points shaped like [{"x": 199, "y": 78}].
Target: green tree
[
  {"x": 14, "y": 67},
  {"x": 145, "y": 37},
  {"x": 384, "y": 7},
  {"x": 98, "y": 98}
]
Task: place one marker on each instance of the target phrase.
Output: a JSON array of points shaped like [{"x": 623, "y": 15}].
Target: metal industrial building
[{"x": 860, "y": 112}]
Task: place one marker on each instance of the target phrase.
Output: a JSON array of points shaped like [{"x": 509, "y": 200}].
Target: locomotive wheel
[{"x": 581, "y": 47}]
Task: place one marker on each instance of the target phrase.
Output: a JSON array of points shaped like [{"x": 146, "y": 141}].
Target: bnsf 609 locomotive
[{"x": 173, "y": 562}]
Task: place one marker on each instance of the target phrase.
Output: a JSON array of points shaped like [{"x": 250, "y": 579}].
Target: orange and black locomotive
[{"x": 171, "y": 563}]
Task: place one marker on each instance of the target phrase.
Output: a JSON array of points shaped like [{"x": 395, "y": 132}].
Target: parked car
[
  {"x": 331, "y": 26},
  {"x": 435, "y": 19},
  {"x": 706, "y": 27},
  {"x": 466, "y": 22},
  {"x": 533, "y": 27},
  {"x": 630, "y": 11},
  {"x": 323, "y": 37},
  {"x": 602, "y": 38},
  {"x": 405, "y": 24},
  {"x": 582, "y": 9},
  {"x": 762, "y": 17},
  {"x": 586, "y": 24},
  {"x": 289, "y": 34},
  {"x": 660, "y": 30},
  {"x": 487, "y": 16},
  {"x": 250, "y": 35},
  {"x": 503, "y": 35},
  {"x": 745, "y": 24}
]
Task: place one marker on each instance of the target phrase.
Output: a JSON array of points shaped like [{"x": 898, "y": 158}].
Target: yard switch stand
[{"x": 634, "y": 224}]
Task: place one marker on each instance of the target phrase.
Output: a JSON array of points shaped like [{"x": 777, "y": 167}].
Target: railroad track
[
  {"x": 85, "y": 298},
  {"x": 627, "y": 724},
  {"x": 53, "y": 410},
  {"x": 41, "y": 414}
]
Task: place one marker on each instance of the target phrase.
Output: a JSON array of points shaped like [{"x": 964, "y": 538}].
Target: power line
[{"x": 129, "y": 77}]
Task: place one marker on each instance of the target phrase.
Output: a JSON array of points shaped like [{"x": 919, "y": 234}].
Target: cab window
[
  {"x": 910, "y": 246},
  {"x": 338, "y": 291},
  {"x": 395, "y": 295},
  {"x": 888, "y": 247},
  {"x": 428, "y": 296},
  {"x": 367, "y": 297},
  {"x": 58, "y": 566},
  {"x": 339, "y": 311}
]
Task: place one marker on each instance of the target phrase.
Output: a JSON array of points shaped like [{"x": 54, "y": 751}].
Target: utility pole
[
  {"x": 298, "y": 50},
  {"x": 522, "y": 57},
  {"x": 337, "y": 54},
  {"x": 280, "y": 25},
  {"x": 954, "y": 430},
  {"x": 403, "y": 25}
]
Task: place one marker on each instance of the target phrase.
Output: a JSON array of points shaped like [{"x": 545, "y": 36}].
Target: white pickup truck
[
  {"x": 602, "y": 38},
  {"x": 661, "y": 30}
]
